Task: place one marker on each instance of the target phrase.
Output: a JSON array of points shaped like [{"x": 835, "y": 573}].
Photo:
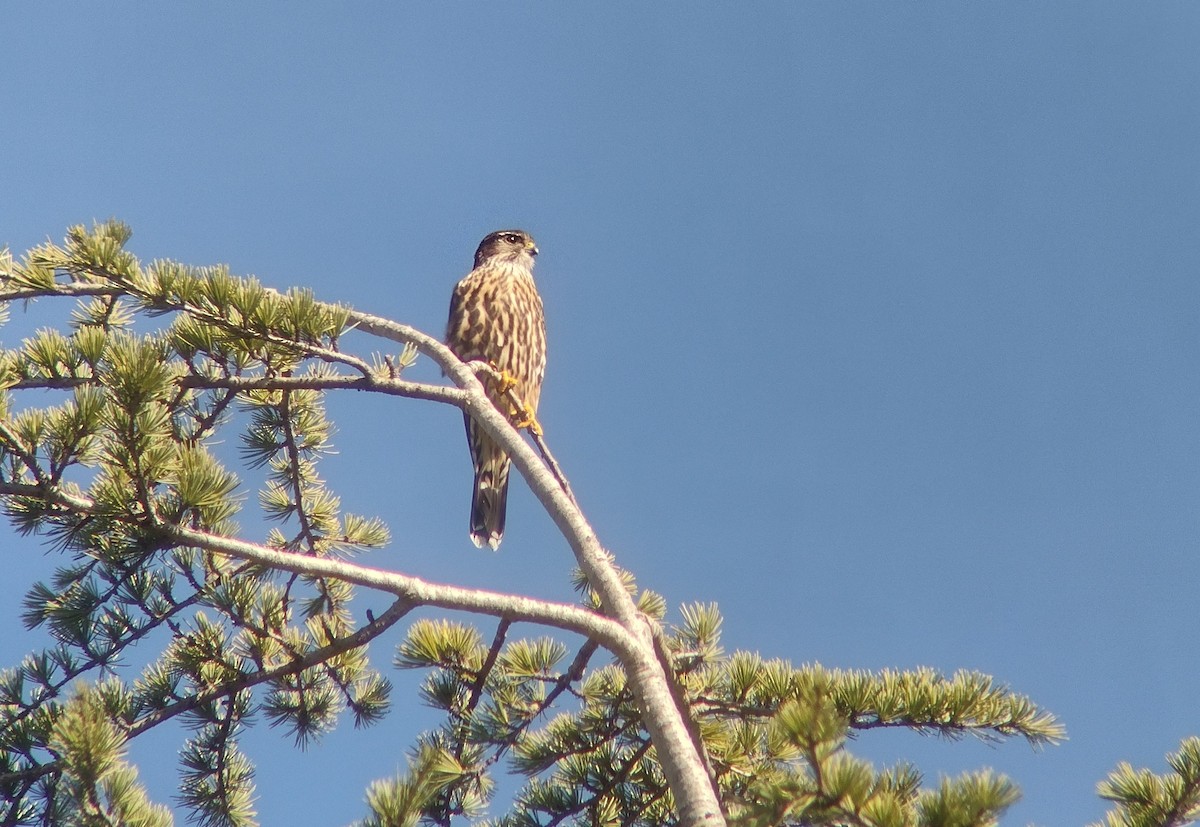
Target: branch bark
[
  {"x": 413, "y": 590},
  {"x": 681, "y": 760}
]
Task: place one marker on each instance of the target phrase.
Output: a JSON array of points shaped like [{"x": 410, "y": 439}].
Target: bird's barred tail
[{"x": 488, "y": 505}]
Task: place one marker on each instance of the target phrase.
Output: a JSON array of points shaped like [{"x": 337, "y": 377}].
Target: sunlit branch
[
  {"x": 377, "y": 384},
  {"x": 564, "y": 616},
  {"x": 681, "y": 762}
]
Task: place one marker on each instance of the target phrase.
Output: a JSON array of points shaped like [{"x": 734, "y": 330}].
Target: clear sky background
[{"x": 875, "y": 323}]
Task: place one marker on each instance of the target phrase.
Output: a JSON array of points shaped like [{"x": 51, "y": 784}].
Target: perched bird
[{"x": 496, "y": 316}]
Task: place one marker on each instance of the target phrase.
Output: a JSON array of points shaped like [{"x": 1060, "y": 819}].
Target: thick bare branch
[
  {"x": 420, "y": 592},
  {"x": 377, "y": 384},
  {"x": 681, "y": 761},
  {"x": 77, "y": 289}
]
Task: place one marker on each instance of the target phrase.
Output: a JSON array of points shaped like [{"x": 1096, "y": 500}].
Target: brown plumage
[{"x": 496, "y": 316}]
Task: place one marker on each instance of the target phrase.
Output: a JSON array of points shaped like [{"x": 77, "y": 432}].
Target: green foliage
[
  {"x": 775, "y": 734},
  {"x": 121, "y": 454},
  {"x": 97, "y": 786},
  {"x": 1147, "y": 800},
  {"x": 402, "y": 802}
]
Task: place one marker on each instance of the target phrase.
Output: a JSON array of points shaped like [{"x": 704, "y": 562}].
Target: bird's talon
[
  {"x": 505, "y": 382},
  {"x": 527, "y": 420}
]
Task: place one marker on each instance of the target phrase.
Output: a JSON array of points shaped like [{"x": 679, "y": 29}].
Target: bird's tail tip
[
  {"x": 485, "y": 538},
  {"x": 489, "y": 502}
]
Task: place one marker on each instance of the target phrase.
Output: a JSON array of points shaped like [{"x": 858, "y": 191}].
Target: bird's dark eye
[{"x": 512, "y": 238}]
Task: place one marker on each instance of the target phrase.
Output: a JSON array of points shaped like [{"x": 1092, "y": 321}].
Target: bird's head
[{"x": 508, "y": 245}]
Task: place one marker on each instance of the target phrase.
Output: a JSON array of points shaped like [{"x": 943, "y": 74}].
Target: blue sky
[{"x": 876, "y": 324}]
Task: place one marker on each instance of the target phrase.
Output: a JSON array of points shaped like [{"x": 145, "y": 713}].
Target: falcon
[{"x": 496, "y": 317}]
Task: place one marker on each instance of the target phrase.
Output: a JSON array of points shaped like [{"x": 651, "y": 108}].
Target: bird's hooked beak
[{"x": 531, "y": 248}]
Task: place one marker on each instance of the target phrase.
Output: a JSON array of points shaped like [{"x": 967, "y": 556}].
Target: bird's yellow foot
[
  {"x": 504, "y": 382},
  {"x": 524, "y": 418}
]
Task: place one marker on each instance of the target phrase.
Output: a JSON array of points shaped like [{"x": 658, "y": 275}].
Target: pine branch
[
  {"x": 377, "y": 383},
  {"x": 30, "y": 461},
  {"x": 293, "y": 474},
  {"x": 78, "y": 289},
  {"x": 486, "y": 669},
  {"x": 359, "y": 638},
  {"x": 563, "y": 616}
]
